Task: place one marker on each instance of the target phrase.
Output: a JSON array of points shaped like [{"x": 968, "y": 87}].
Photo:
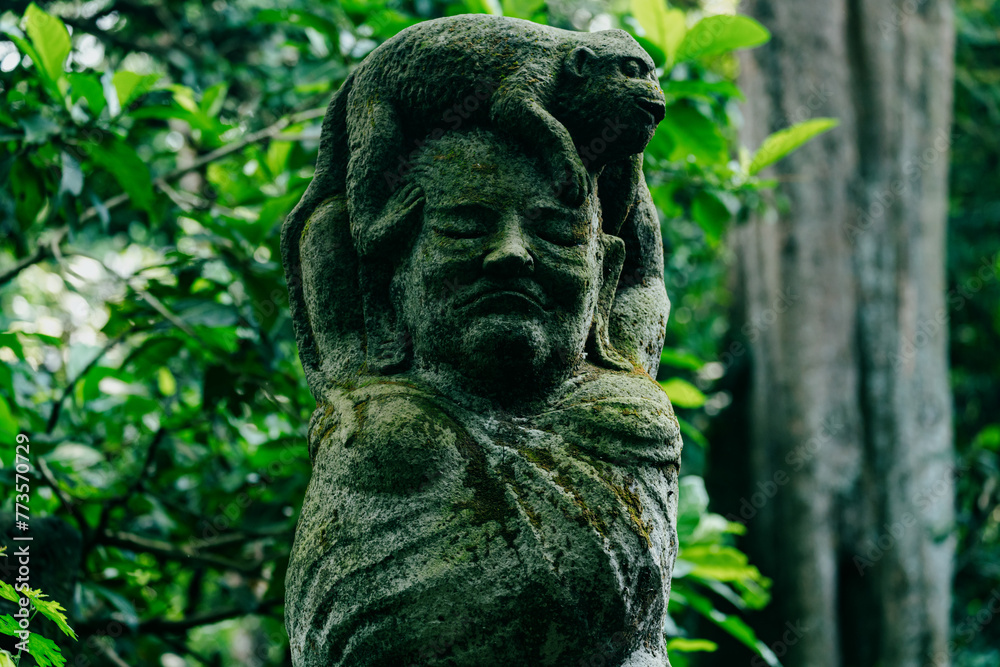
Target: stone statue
[{"x": 494, "y": 466}]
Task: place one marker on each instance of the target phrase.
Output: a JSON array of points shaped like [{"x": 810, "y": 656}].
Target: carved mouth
[
  {"x": 655, "y": 108},
  {"x": 511, "y": 293}
]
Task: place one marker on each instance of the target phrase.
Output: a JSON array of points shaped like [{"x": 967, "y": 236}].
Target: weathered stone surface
[{"x": 495, "y": 468}]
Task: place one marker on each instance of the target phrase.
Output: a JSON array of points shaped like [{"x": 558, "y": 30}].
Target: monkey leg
[
  {"x": 618, "y": 190},
  {"x": 515, "y": 108}
]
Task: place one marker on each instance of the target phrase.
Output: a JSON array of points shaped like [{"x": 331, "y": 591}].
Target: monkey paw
[{"x": 368, "y": 230}]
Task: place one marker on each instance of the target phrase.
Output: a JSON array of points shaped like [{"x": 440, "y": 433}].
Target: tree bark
[{"x": 844, "y": 315}]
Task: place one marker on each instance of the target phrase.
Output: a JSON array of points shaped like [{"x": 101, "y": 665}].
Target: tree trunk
[{"x": 844, "y": 315}]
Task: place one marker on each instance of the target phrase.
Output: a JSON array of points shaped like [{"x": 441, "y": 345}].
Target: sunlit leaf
[
  {"x": 50, "y": 39},
  {"x": 721, "y": 563},
  {"x": 7, "y": 591},
  {"x": 165, "y": 381},
  {"x": 663, "y": 26},
  {"x": 129, "y": 85},
  {"x": 679, "y": 359},
  {"x": 783, "y": 142},
  {"x": 44, "y": 651},
  {"x": 50, "y": 609},
  {"x": 691, "y": 645},
  {"x": 721, "y": 33},
  {"x": 683, "y": 394}
]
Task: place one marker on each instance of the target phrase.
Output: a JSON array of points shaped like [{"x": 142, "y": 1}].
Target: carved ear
[
  {"x": 576, "y": 61},
  {"x": 599, "y": 343}
]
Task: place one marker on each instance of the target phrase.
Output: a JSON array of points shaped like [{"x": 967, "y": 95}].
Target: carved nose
[{"x": 509, "y": 256}]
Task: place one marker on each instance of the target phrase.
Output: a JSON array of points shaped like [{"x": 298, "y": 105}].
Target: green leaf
[
  {"x": 44, "y": 651},
  {"x": 165, "y": 381},
  {"x": 72, "y": 176},
  {"x": 302, "y": 19},
  {"x": 711, "y": 214},
  {"x": 663, "y": 26},
  {"x": 5, "y": 660},
  {"x": 8, "y": 339},
  {"x": 719, "y": 34},
  {"x": 39, "y": 129},
  {"x": 678, "y": 359},
  {"x": 213, "y": 98},
  {"x": 129, "y": 85},
  {"x": 720, "y": 563},
  {"x": 522, "y": 9},
  {"x": 50, "y": 609},
  {"x": 783, "y": 142},
  {"x": 732, "y": 625},
  {"x": 683, "y": 394},
  {"x": 483, "y": 7},
  {"x": 16, "y": 36},
  {"x": 689, "y": 431},
  {"x": 692, "y": 502},
  {"x": 276, "y": 158},
  {"x": 663, "y": 196},
  {"x": 691, "y": 645},
  {"x": 988, "y": 438},
  {"x": 701, "y": 89},
  {"x": 693, "y": 135},
  {"x": 8, "y": 425},
  {"x": 653, "y": 49},
  {"x": 7, "y": 591},
  {"x": 28, "y": 189},
  {"x": 75, "y": 456},
  {"x": 387, "y": 22},
  {"x": 88, "y": 87},
  {"x": 129, "y": 170},
  {"x": 50, "y": 39}
]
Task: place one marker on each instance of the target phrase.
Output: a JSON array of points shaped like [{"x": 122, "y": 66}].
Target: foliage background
[{"x": 145, "y": 169}]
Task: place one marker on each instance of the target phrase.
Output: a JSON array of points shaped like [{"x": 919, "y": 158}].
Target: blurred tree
[{"x": 841, "y": 302}]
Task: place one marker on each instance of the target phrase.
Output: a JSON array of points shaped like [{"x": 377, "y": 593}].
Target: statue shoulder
[
  {"x": 385, "y": 436},
  {"x": 623, "y": 417}
]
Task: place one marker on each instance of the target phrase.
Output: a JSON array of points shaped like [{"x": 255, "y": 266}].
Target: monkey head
[{"x": 611, "y": 98}]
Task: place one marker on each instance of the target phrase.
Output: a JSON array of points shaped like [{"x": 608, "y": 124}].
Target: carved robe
[{"x": 432, "y": 534}]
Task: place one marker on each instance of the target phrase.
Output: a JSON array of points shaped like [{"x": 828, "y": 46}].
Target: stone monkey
[
  {"x": 586, "y": 103},
  {"x": 554, "y": 90}
]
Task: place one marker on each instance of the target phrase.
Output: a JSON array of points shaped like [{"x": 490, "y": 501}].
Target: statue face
[{"x": 502, "y": 281}]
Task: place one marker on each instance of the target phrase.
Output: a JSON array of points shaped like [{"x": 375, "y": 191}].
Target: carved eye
[
  {"x": 467, "y": 221},
  {"x": 557, "y": 227},
  {"x": 633, "y": 68}
]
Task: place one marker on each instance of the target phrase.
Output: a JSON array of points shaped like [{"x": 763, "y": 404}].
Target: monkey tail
[{"x": 329, "y": 181}]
